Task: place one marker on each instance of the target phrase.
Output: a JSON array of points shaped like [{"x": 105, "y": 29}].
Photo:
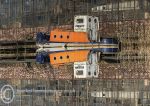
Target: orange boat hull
[
  {"x": 68, "y": 57},
  {"x": 68, "y": 36}
]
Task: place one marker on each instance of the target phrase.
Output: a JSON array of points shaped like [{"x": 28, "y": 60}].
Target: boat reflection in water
[
  {"x": 82, "y": 47},
  {"x": 85, "y": 60}
]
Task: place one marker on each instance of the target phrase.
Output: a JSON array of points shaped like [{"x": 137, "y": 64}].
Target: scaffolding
[{"x": 127, "y": 20}]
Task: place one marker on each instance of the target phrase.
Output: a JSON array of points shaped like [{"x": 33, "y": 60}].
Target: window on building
[
  {"x": 80, "y": 20},
  {"x": 79, "y": 72}
]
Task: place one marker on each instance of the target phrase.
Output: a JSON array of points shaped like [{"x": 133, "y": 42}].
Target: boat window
[
  {"x": 103, "y": 94},
  {"x": 79, "y": 67},
  {"x": 79, "y": 72},
  {"x": 89, "y": 73},
  {"x": 80, "y": 20},
  {"x": 67, "y": 57},
  {"x": 89, "y": 19},
  {"x": 95, "y": 20},
  {"x": 54, "y": 36},
  {"x": 61, "y": 57},
  {"x": 104, "y": 8},
  {"x": 95, "y": 73},
  {"x": 61, "y": 36}
]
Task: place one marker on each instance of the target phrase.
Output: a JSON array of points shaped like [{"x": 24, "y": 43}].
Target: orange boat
[
  {"x": 59, "y": 58},
  {"x": 62, "y": 36},
  {"x": 85, "y": 31},
  {"x": 68, "y": 36}
]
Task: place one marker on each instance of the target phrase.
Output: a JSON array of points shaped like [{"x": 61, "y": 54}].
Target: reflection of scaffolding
[{"x": 104, "y": 92}]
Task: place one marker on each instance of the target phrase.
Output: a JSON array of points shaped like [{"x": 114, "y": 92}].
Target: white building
[
  {"x": 89, "y": 24},
  {"x": 87, "y": 69}
]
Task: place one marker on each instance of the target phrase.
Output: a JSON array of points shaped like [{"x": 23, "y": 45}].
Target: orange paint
[
  {"x": 68, "y": 36},
  {"x": 68, "y": 57}
]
